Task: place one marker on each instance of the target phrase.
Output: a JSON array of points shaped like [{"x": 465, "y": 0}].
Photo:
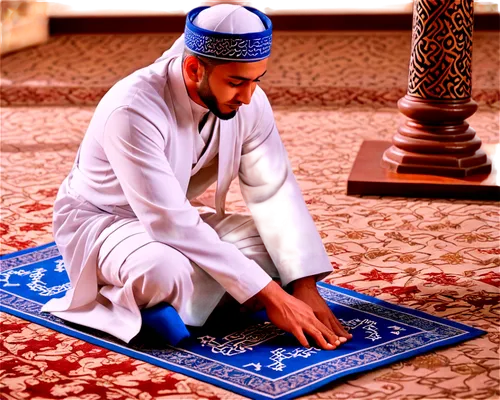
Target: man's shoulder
[
  {"x": 137, "y": 101},
  {"x": 140, "y": 85},
  {"x": 142, "y": 93}
]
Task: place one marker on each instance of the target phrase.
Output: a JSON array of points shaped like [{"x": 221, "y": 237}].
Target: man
[{"x": 124, "y": 220}]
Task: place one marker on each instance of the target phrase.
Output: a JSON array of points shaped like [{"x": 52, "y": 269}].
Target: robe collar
[
  {"x": 179, "y": 94},
  {"x": 189, "y": 108},
  {"x": 201, "y": 140},
  {"x": 229, "y": 146},
  {"x": 198, "y": 111}
]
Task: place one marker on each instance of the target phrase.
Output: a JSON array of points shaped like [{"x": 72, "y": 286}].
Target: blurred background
[{"x": 26, "y": 23}]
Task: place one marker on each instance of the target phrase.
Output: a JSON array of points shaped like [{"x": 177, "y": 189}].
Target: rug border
[{"x": 25, "y": 251}]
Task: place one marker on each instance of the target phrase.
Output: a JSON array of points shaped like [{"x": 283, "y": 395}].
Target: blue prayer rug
[{"x": 243, "y": 353}]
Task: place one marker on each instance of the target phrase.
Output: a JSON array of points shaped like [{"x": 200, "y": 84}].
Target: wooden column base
[
  {"x": 459, "y": 166},
  {"x": 368, "y": 177}
]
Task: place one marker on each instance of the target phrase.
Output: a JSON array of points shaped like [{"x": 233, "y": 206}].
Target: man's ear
[{"x": 193, "y": 68}]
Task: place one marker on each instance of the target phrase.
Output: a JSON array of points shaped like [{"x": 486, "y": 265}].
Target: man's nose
[{"x": 246, "y": 94}]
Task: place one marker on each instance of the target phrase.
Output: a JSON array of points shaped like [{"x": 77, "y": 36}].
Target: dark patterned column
[{"x": 435, "y": 139}]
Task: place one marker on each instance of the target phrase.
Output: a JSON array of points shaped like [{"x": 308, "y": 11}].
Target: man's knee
[
  {"x": 240, "y": 230},
  {"x": 157, "y": 272},
  {"x": 232, "y": 228}
]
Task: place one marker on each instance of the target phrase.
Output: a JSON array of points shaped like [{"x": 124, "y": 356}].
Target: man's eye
[{"x": 239, "y": 84}]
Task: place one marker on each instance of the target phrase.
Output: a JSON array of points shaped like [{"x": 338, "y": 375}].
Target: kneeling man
[{"x": 125, "y": 220}]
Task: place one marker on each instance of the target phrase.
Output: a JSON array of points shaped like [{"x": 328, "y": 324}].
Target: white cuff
[
  {"x": 249, "y": 283},
  {"x": 317, "y": 265}
]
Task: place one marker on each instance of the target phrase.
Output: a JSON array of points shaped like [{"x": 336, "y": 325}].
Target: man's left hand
[{"x": 305, "y": 289}]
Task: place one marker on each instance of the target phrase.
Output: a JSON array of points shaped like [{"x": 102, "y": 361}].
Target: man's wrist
[
  {"x": 307, "y": 282},
  {"x": 269, "y": 293}
]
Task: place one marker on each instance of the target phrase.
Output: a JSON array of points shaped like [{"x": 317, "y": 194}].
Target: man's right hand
[{"x": 296, "y": 317}]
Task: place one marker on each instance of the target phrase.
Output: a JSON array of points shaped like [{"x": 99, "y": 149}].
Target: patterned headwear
[{"x": 229, "y": 32}]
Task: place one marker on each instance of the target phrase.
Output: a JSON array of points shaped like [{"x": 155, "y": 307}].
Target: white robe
[{"x": 136, "y": 161}]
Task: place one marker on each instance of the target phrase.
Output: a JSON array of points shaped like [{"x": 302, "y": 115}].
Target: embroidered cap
[{"x": 229, "y": 32}]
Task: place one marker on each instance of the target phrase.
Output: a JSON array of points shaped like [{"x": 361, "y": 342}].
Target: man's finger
[
  {"x": 329, "y": 335},
  {"x": 319, "y": 338},
  {"x": 338, "y": 328},
  {"x": 339, "y": 331},
  {"x": 301, "y": 337},
  {"x": 329, "y": 322},
  {"x": 329, "y": 332},
  {"x": 334, "y": 324}
]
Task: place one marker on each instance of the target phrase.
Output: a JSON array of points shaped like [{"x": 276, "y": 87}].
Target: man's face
[{"x": 224, "y": 88}]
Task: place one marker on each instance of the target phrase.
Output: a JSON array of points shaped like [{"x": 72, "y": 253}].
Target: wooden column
[
  {"x": 435, "y": 138},
  {"x": 435, "y": 153}
]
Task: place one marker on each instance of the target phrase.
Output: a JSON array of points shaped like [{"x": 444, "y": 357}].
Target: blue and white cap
[{"x": 229, "y": 32}]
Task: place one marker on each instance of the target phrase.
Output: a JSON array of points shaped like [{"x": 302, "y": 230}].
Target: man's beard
[{"x": 208, "y": 98}]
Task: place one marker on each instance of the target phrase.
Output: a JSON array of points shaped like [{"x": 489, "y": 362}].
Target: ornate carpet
[
  {"x": 242, "y": 352},
  {"x": 329, "y": 91}
]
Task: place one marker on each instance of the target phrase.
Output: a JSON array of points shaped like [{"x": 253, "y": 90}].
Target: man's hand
[
  {"x": 305, "y": 289},
  {"x": 294, "y": 316}
]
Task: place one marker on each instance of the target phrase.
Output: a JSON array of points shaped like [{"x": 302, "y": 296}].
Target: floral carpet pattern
[{"x": 436, "y": 255}]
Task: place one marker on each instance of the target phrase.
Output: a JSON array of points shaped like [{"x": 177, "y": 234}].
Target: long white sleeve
[
  {"x": 135, "y": 150},
  {"x": 273, "y": 196}
]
